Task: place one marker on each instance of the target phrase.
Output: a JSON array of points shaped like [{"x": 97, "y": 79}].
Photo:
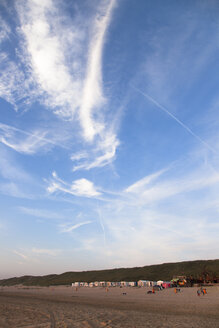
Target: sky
[{"x": 109, "y": 134}]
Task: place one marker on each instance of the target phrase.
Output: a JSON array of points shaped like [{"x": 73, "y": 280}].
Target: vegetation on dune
[{"x": 166, "y": 271}]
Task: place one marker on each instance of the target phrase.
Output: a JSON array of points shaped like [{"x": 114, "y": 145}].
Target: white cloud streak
[
  {"x": 15, "y": 181},
  {"x": 43, "y": 251},
  {"x": 105, "y": 153},
  {"x": 10, "y": 171},
  {"x": 139, "y": 185},
  {"x": 13, "y": 82},
  {"x": 40, "y": 213},
  {"x": 34, "y": 141},
  {"x": 169, "y": 187},
  {"x": 80, "y": 187},
  {"x": 43, "y": 39},
  {"x": 92, "y": 92},
  {"x": 25, "y": 257},
  {"x": 5, "y": 30},
  {"x": 75, "y": 226},
  {"x": 54, "y": 70}
]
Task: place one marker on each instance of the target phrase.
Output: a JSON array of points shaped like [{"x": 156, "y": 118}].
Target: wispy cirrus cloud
[
  {"x": 53, "y": 69},
  {"x": 80, "y": 187},
  {"x": 14, "y": 190},
  {"x": 45, "y": 251},
  {"x": 30, "y": 145},
  {"x": 33, "y": 254},
  {"x": 174, "y": 65},
  {"x": 184, "y": 126},
  {"x": 5, "y": 30},
  {"x": 92, "y": 91},
  {"x": 23, "y": 256},
  {"x": 58, "y": 86},
  {"x": 157, "y": 205},
  {"x": 31, "y": 142},
  {"x": 15, "y": 181},
  {"x": 13, "y": 82},
  {"x": 70, "y": 228},
  {"x": 41, "y": 213},
  {"x": 62, "y": 85},
  {"x": 102, "y": 155},
  {"x": 10, "y": 171},
  {"x": 138, "y": 186},
  {"x": 164, "y": 184}
]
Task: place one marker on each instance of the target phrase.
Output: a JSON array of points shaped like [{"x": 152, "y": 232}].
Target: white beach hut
[
  {"x": 109, "y": 284},
  {"x": 160, "y": 282},
  {"x": 91, "y": 284},
  {"x": 142, "y": 283},
  {"x": 103, "y": 283},
  {"x": 151, "y": 283},
  {"x": 132, "y": 283},
  {"x": 96, "y": 283},
  {"x": 77, "y": 284},
  {"x": 124, "y": 283}
]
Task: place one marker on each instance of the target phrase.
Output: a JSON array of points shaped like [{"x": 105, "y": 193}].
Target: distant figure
[
  {"x": 175, "y": 290},
  {"x": 198, "y": 292},
  {"x": 204, "y": 291},
  {"x": 153, "y": 291}
]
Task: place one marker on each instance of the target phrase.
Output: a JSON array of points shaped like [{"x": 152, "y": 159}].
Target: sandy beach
[{"x": 63, "y": 307}]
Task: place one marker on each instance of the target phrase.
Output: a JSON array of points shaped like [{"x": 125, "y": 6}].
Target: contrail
[
  {"x": 175, "y": 118},
  {"x": 6, "y": 127},
  {"x": 101, "y": 223}
]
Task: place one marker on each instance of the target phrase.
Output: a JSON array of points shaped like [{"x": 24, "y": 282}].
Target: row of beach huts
[{"x": 140, "y": 283}]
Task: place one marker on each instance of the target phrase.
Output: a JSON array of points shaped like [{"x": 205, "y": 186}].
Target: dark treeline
[{"x": 197, "y": 271}]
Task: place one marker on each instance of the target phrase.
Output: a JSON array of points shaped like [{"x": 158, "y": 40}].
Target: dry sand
[{"x": 63, "y": 307}]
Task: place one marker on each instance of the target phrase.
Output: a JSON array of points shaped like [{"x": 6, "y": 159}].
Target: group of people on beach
[
  {"x": 176, "y": 290},
  {"x": 202, "y": 291}
]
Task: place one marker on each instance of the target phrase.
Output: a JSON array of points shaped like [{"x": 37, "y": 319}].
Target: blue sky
[{"x": 109, "y": 134}]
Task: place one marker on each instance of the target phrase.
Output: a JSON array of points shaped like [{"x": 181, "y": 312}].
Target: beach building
[
  {"x": 132, "y": 283},
  {"x": 117, "y": 284},
  {"x": 160, "y": 282},
  {"x": 103, "y": 283},
  {"x": 142, "y": 283},
  {"x": 151, "y": 283},
  {"x": 76, "y": 284},
  {"x": 124, "y": 283},
  {"x": 91, "y": 284},
  {"x": 113, "y": 284},
  {"x": 109, "y": 284},
  {"x": 97, "y": 284}
]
